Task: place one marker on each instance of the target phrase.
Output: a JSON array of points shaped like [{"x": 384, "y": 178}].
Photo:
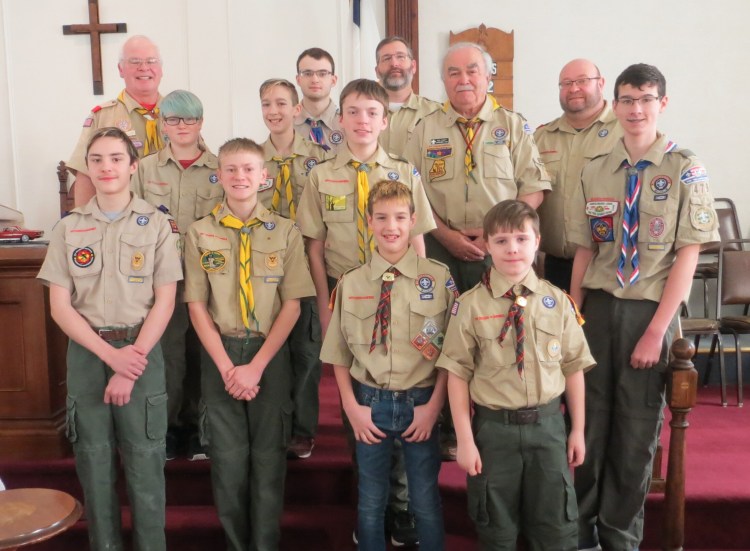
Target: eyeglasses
[
  {"x": 398, "y": 57},
  {"x": 137, "y": 61},
  {"x": 645, "y": 101},
  {"x": 578, "y": 82},
  {"x": 322, "y": 73},
  {"x": 174, "y": 121}
]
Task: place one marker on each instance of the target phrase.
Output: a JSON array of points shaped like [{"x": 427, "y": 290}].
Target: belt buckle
[{"x": 527, "y": 416}]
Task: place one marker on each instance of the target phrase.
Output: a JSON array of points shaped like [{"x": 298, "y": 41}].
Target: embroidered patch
[
  {"x": 336, "y": 137},
  {"x": 272, "y": 260},
  {"x": 138, "y": 261},
  {"x": 527, "y": 128},
  {"x": 430, "y": 328},
  {"x": 269, "y": 225},
  {"x": 88, "y": 122},
  {"x": 451, "y": 286},
  {"x": 439, "y": 152},
  {"x": 393, "y": 175},
  {"x": 136, "y": 143},
  {"x": 213, "y": 178},
  {"x": 454, "y": 308},
  {"x": 601, "y": 207},
  {"x": 661, "y": 184},
  {"x": 603, "y": 133},
  {"x": 163, "y": 208},
  {"x": 213, "y": 261},
  {"x": 123, "y": 125},
  {"x": 702, "y": 218},
  {"x": 425, "y": 283},
  {"x": 440, "y": 141},
  {"x": 430, "y": 352},
  {"x": 601, "y": 229},
  {"x": 266, "y": 184},
  {"x": 414, "y": 171},
  {"x": 420, "y": 341},
  {"x": 141, "y": 220},
  {"x": 437, "y": 170},
  {"x": 173, "y": 225},
  {"x": 311, "y": 162},
  {"x": 83, "y": 257},
  {"x": 499, "y": 133},
  {"x": 335, "y": 202},
  {"x": 694, "y": 175},
  {"x": 426, "y": 296},
  {"x": 656, "y": 226},
  {"x": 549, "y": 302},
  {"x": 553, "y": 348},
  {"x": 136, "y": 279}
]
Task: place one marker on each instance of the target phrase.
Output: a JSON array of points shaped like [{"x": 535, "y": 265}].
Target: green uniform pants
[
  {"x": 181, "y": 352},
  {"x": 247, "y": 443},
  {"x": 623, "y": 420},
  {"x": 97, "y": 430},
  {"x": 304, "y": 347},
  {"x": 525, "y": 485}
]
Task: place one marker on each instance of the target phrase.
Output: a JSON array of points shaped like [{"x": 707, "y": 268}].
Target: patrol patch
[
  {"x": 141, "y": 220},
  {"x": 83, "y": 257},
  {"x": 601, "y": 229},
  {"x": 311, "y": 162},
  {"x": 173, "y": 225},
  {"x": 123, "y": 124},
  {"x": 88, "y": 122},
  {"x": 335, "y": 202},
  {"x": 661, "y": 184},
  {"x": 603, "y": 133},
  {"x": 694, "y": 175},
  {"x": 451, "y": 286},
  {"x": 499, "y": 132},
  {"x": 393, "y": 175},
  {"x": 440, "y": 141},
  {"x": 454, "y": 308},
  {"x": 425, "y": 283},
  {"x": 702, "y": 218},
  {"x": 601, "y": 207},
  {"x": 213, "y": 178},
  {"x": 269, "y": 225},
  {"x": 553, "y": 348},
  {"x": 138, "y": 261},
  {"x": 549, "y": 302},
  {"x": 656, "y": 226},
  {"x": 272, "y": 260},
  {"x": 439, "y": 152},
  {"x": 336, "y": 137},
  {"x": 213, "y": 261},
  {"x": 265, "y": 184},
  {"x": 437, "y": 170}
]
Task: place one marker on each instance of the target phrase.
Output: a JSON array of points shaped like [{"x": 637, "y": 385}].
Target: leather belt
[
  {"x": 523, "y": 416},
  {"x": 119, "y": 333}
]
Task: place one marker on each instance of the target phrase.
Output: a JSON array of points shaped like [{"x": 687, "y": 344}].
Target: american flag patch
[{"x": 454, "y": 308}]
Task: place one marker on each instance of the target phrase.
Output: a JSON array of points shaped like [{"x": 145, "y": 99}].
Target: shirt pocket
[
  {"x": 426, "y": 312},
  {"x": 490, "y": 350},
  {"x": 157, "y": 194},
  {"x": 552, "y": 162},
  {"x": 359, "y": 319},
  {"x": 268, "y": 261},
  {"x": 338, "y": 201},
  {"x": 497, "y": 163},
  {"x": 137, "y": 252},
  {"x": 84, "y": 253},
  {"x": 206, "y": 197},
  {"x": 438, "y": 166},
  {"x": 657, "y": 220},
  {"x": 548, "y": 333}
]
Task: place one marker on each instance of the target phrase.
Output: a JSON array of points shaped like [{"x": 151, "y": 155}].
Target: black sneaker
[
  {"x": 196, "y": 452},
  {"x": 172, "y": 444},
  {"x": 403, "y": 528}
]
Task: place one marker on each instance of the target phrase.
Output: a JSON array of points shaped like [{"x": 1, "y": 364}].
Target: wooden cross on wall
[{"x": 94, "y": 28}]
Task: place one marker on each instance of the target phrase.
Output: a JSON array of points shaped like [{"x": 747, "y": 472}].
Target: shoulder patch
[{"x": 101, "y": 106}]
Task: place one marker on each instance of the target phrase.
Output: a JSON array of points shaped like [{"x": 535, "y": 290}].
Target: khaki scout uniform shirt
[
  {"x": 189, "y": 193},
  {"x": 329, "y": 122},
  {"x": 113, "y": 113},
  {"x": 111, "y": 268},
  {"x": 307, "y": 156},
  {"x": 421, "y": 299},
  {"x": 555, "y": 346},
  {"x": 675, "y": 206},
  {"x": 328, "y": 208},
  {"x": 507, "y": 163},
  {"x": 402, "y": 121},
  {"x": 565, "y": 151},
  {"x": 279, "y": 268}
]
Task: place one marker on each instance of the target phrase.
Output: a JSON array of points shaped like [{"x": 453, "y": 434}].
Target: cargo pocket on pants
[
  {"x": 70, "y": 419},
  {"x": 286, "y": 423},
  {"x": 476, "y": 489},
  {"x": 571, "y": 503},
  {"x": 156, "y": 416}
]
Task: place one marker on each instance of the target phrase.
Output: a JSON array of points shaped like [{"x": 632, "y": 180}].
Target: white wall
[{"x": 223, "y": 49}]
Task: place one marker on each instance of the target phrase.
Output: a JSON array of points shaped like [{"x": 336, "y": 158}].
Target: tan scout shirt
[
  {"x": 676, "y": 209},
  {"x": 279, "y": 268},
  {"x": 113, "y": 113},
  {"x": 307, "y": 156},
  {"x": 555, "y": 346},
  {"x": 403, "y": 121},
  {"x": 565, "y": 151},
  {"x": 189, "y": 193},
  {"x": 328, "y": 208},
  {"x": 111, "y": 268},
  {"x": 507, "y": 163},
  {"x": 421, "y": 299},
  {"x": 329, "y": 121}
]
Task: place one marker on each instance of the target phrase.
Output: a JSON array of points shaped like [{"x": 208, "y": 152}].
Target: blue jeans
[{"x": 392, "y": 413}]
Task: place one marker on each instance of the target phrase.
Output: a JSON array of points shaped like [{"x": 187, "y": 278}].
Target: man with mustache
[
  {"x": 587, "y": 128},
  {"x": 396, "y": 68}
]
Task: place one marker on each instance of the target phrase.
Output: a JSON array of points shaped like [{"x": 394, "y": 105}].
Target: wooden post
[{"x": 682, "y": 388}]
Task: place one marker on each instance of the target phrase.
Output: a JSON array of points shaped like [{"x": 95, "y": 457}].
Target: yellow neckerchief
[
  {"x": 364, "y": 233},
  {"x": 471, "y": 128},
  {"x": 153, "y": 141},
  {"x": 284, "y": 181}
]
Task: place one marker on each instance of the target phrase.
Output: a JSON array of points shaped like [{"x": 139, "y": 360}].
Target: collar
[
  {"x": 328, "y": 116},
  {"x": 165, "y": 156},
  {"x": 407, "y": 265},
  {"x": 655, "y": 154},
  {"x": 136, "y": 205},
  {"x": 260, "y": 212},
  {"x": 500, "y": 284},
  {"x": 131, "y": 104},
  {"x": 344, "y": 156},
  {"x": 300, "y": 147},
  {"x": 606, "y": 116},
  {"x": 484, "y": 114}
]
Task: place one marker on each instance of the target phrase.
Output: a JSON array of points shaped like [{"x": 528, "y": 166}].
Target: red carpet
[{"x": 321, "y": 503}]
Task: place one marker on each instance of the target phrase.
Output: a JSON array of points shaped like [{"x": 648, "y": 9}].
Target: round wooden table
[{"x": 31, "y": 515}]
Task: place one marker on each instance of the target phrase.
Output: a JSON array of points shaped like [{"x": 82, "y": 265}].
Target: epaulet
[
  {"x": 576, "y": 311},
  {"x": 687, "y": 153},
  {"x": 436, "y": 262},
  {"x": 397, "y": 157},
  {"x": 101, "y": 106},
  {"x": 541, "y": 126},
  {"x": 526, "y": 126}
]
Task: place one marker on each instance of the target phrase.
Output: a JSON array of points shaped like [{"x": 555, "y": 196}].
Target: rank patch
[
  {"x": 694, "y": 175},
  {"x": 553, "y": 348},
  {"x": 141, "y": 220},
  {"x": 499, "y": 133},
  {"x": 137, "y": 261},
  {"x": 393, "y": 175},
  {"x": 83, "y": 257},
  {"x": 439, "y": 152},
  {"x": 549, "y": 302},
  {"x": 272, "y": 260},
  {"x": 437, "y": 170},
  {"x": 213, "y": 261},
  {"x": 603, "y": 133},
  {"x": 601, "y": 229},
  {"x": 425, "y": 283},
  {"x": 656, "y": 226},
  {"x": 336, "y": 137}
]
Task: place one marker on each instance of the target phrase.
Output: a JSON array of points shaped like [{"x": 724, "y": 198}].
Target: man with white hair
[
  {"x": 472, "y": 153},
  {"x": 134, "y": 111}
]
